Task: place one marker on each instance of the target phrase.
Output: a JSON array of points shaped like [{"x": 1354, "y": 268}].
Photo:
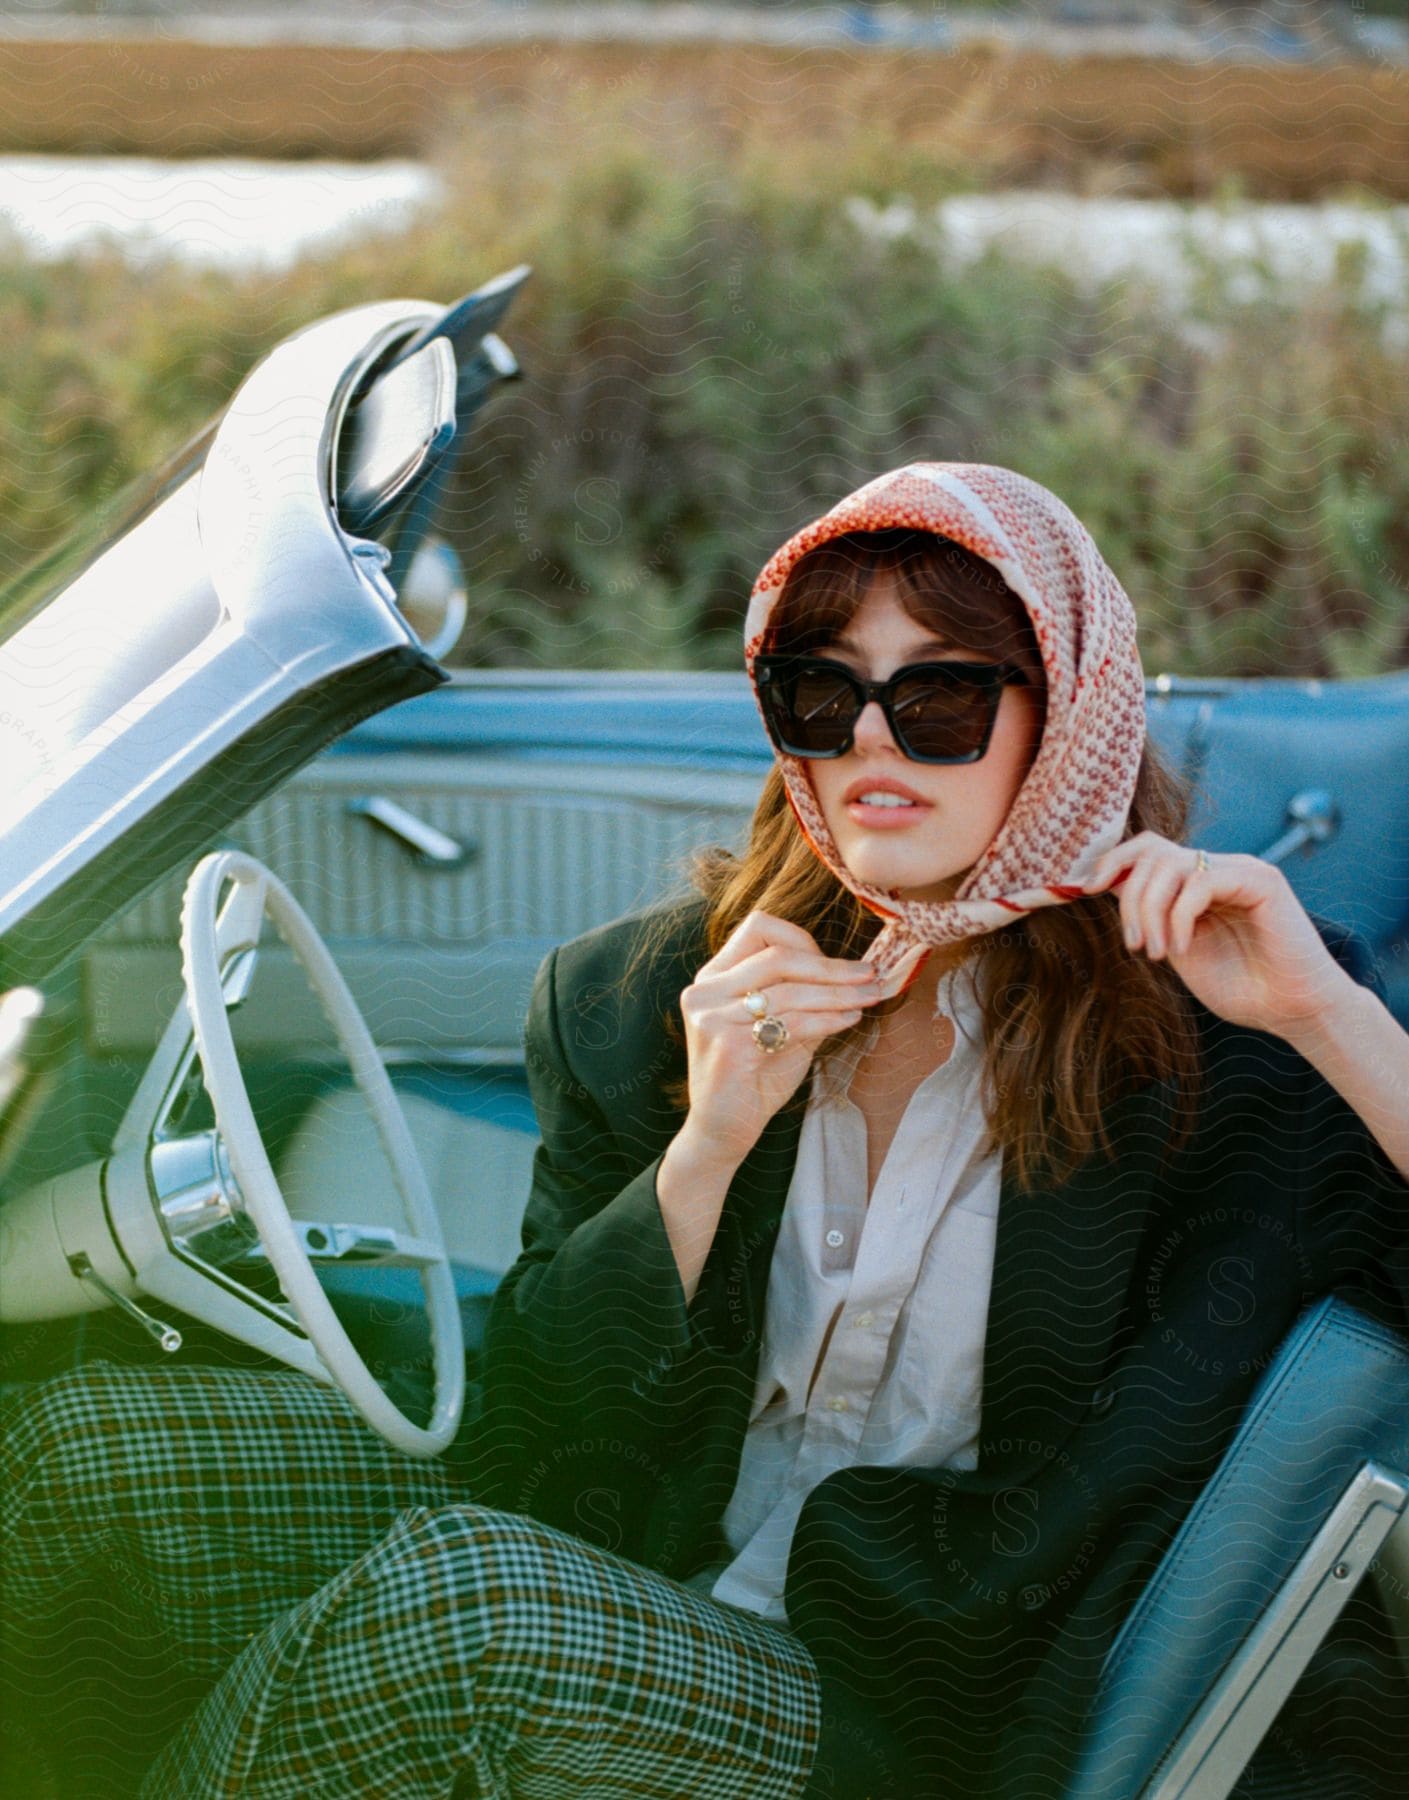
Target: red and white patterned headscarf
[{"x": 1075, "y": 801}]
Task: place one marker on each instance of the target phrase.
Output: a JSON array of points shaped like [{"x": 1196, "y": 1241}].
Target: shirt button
[
  {"x": 837, "y": 1403},
  {"x": 836, "y": 1238},
  {"x": 864, "y": 1318}
]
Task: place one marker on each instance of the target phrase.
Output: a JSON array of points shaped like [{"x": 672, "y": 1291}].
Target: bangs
[{"x": 945, "y": 588}]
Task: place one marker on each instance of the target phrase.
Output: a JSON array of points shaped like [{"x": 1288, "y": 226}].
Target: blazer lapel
[{"x": 1062, "y": 1269}]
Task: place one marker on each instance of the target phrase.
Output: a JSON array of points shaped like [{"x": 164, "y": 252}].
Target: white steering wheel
[{"x": 213, "y": 948}]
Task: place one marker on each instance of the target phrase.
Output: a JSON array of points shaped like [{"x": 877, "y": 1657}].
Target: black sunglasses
[{"x": 938, "y": 712}]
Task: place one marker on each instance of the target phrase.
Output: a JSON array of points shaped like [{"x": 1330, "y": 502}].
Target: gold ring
[
  {"x": 756, "y": 1004},
  {"x": 770, "y": 1033},
  {"x": 1202, "y": 859}
]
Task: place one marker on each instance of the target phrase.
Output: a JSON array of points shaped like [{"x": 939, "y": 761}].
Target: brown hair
[{"x": 1071, "y": 1016}]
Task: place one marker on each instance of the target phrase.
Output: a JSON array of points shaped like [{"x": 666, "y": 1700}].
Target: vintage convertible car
[{"x": 274, "y": 889}]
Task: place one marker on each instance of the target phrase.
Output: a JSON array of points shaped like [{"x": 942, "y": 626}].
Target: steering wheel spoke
[
  {"x": 377, "y": 1245},
  {"x": 217, "y": 950}
]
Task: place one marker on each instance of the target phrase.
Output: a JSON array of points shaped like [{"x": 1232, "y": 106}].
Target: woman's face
[{"x": 926, "y": 850}]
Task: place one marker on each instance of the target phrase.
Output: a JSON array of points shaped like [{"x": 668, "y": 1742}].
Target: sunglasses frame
[{"x": 990, "y": 678}]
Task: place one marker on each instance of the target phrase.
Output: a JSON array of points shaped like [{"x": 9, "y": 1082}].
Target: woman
[{"x": 880, "y": 1306}]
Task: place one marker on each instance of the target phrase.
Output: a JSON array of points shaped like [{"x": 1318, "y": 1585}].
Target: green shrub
[{"x": 715, "y": 351}]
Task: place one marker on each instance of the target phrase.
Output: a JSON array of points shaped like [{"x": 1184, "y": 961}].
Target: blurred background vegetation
[{"x": 715, "y": 350}]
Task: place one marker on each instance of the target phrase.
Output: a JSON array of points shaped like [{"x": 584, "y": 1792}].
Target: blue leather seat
[{"x": 1313, "y": 1488}]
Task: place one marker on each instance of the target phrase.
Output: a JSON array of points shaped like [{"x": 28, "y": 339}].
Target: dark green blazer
[{"x": 957, "y": 1619}]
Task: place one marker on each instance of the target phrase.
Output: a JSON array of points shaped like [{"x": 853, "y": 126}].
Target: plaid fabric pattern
[
  {"x": 379, "y": 1633},
  {"x": 209, "y": 1500}
]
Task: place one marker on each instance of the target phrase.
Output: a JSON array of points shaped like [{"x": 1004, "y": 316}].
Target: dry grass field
[{"x": 1101, "y": 125}]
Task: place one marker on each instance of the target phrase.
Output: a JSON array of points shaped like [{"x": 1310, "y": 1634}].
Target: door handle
[
  {"x": 1312, "y": 818},
  {"x": 428, "y": 845}
]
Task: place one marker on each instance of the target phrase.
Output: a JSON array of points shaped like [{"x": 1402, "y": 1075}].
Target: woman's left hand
[{"x": 1234, "y": 933}]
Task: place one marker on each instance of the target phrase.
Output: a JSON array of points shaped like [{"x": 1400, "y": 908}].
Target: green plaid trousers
[{"x": 370, "y": 1631}]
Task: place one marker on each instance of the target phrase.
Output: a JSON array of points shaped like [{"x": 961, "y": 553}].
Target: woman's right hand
[{"x": 735, "y": 1086}]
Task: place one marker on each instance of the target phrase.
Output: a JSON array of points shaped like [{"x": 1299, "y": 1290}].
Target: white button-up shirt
[{"x": 903, "y": 1284}]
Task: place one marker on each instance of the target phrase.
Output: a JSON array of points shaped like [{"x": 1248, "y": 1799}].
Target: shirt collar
[{"x": 953, "y": 996}]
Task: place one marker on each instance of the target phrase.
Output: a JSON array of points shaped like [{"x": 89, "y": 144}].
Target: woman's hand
[
  {"x": 735, "y": 1086},
  {"x": 1235, "y": 933}
]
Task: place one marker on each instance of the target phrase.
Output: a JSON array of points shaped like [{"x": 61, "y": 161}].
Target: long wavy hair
[{"x": 1072, "y": 1017}]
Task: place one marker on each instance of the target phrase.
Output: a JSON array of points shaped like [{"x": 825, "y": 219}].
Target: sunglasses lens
[
  {"x": 812, "y": 709},
  {"x": 940, "y": 716}
]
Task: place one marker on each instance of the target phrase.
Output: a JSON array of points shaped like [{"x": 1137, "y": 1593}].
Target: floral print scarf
[{"x": 1075, "y": 801}]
